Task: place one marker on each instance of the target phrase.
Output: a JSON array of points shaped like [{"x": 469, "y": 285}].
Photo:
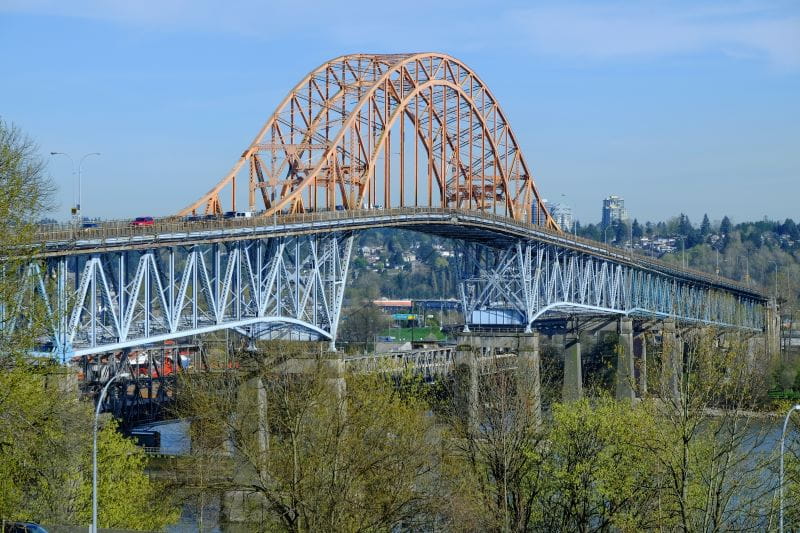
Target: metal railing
[{"x": 67, "y": 235}]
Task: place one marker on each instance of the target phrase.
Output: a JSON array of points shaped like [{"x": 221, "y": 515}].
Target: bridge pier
[
  {"x": 471, "y": 346},
  {"x": 625, "y": 363},
  {"x": 466, "y": 381},
  {"x": 573, "y": 375},
  {"x": 672, "y": 360},
  {"x": 640, "y": 354}
]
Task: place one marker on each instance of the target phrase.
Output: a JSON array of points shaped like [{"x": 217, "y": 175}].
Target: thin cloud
[
  {"x": 659, "y": 29},
  {"x": 597, "y": 31}
]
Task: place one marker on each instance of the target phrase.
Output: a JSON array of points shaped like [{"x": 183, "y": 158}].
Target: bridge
[{"x": 412, "y": 141}]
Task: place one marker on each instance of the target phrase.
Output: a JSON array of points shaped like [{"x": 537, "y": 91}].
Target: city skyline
[{"x": 667, "y": 105}]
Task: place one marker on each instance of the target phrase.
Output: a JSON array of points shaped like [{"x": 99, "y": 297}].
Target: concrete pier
[
  {"x": 625, "y": 365},
  {"x": 573, "y": 375}
]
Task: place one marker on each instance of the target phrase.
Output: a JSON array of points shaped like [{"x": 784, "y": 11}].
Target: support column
[
  {"x": 529, "y": 385},
  {"x": 772, "y": 345},
  {"x": 625, "y": 368},
  {"x": 466, "y": 375},
  {"x": 573, "y": 377},
  {"x": 672, "y": 360},
  {"x": 640, "y": 354}
]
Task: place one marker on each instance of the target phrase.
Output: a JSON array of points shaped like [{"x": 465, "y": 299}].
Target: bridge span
[
  {"x": 414, "y": 141},
  {"x": 119, "y": 286}
]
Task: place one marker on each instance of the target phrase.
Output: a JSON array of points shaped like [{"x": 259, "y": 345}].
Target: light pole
[
  {"x": 80, "y": 168},
  {"x": 683, "y": 250},
  {"x": 574, "y": 222},
  {"x": 605, "y": 234},
  {"x": 94, "y": 452},
  {"x": 777, "y": 267},
  {"x": 783, "y": 442}
]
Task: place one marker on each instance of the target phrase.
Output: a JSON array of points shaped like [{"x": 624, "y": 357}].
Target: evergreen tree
[
  {"x": 725, "y": 226},
  {"x": 790, "y": 229},
  {"x": 636, "y": 229},
  {"x": 705, "y": 226}
]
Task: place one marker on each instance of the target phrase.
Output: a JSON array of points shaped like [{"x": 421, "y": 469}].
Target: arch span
[{"x": 373, "y": 131}]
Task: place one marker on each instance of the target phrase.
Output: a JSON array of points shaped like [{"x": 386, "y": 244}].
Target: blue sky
[{"x": 677, "y": 106}]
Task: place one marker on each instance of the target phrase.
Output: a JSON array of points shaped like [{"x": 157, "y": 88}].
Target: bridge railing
[{"x": 49, "y": 234}]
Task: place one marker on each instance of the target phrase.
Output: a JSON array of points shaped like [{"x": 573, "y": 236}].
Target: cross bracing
[
  {"x": 113, "y": 300},
  {"x": 535, "y": 279},
  {"x": 110, "y": 288}
]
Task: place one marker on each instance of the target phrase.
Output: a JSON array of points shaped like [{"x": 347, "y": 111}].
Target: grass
[{"x": 404, "y": 334}]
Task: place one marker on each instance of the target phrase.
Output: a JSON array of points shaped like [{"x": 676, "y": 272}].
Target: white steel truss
[
  {"x": 292, "y": 287},
  {"x": 282, "y": 287},
  {"x": 531, "y": 279}
]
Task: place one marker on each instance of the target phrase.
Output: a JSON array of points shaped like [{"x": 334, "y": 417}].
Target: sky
[{"x": 679, "y": 107}]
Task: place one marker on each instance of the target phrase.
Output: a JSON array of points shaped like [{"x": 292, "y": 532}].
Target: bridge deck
[{"x": 477, "y": 226}]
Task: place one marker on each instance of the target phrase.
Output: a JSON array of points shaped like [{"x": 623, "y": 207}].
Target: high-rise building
[
  {"x": 614, "y": 210},
  {"x": 561, "y": 213}
]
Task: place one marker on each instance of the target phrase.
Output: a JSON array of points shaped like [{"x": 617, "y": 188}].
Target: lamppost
[
  {"x": 605, "y": 234},
  {"x": 80, "y": 168},
  {"x": 783, "y": 442},
  {"x": 94, "y": 452},
  {"x": 777, "y": 267},
  {"x": 683, "y": 249},
  {"x": 574, "y": 222}
]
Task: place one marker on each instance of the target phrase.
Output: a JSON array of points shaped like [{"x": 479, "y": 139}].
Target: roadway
[{"x": 475, "y": 226}]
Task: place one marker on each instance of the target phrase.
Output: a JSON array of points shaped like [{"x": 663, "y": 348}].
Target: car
[
  {"x": 23, "y": 527},
  {"x": 143, "y": 221},
  {"x": 192, "y": 218},
  {"x": 88, "y": 224},
  {"x": 237, "y": 214},
  {"x": 340, "y": 208}
]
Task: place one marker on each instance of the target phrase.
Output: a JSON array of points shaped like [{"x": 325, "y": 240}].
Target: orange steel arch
[{"x": 372, "y": 131}]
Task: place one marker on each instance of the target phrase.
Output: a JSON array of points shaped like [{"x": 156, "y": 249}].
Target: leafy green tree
[
  {"x": 599, "y": 475},
  {"x": 45, "y": 430},
  {"x": 706, "y": 443},
  {"x": 319, "y": 453},
  {"x": 129, "y": 499}
]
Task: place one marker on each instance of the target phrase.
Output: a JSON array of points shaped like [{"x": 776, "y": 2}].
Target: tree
[
  {"x": 599, "y": 475},
  {"x": 316, "y": 452},
  {"x": 725, "y": 226},
  {"x": 363, "y": 323},
  {"x": 705, "y": 226},
  {"x": 621, "y": 232},
  {"x": 494, "y": 469},
  {"x": 45, "y": 430},
  {"x": 637, "y": 230},
  {"x": 706, "y": 443}
]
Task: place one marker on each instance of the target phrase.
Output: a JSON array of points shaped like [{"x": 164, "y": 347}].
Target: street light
[
  {"x": 574, "y": 222},
  {"x": 80, "y": 168},
  {"x": 683, "y": 249},
  {"x": 94, "y": 452},
  {"x": 605, "y": 234},
  {"x": 777, "y": 267},
  {"x": 783, "y": 442}
]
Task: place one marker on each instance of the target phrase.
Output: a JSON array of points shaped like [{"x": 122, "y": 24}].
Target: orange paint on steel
[{"x": 327, "y": 139}]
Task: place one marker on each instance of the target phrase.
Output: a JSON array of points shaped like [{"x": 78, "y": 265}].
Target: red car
[{"x": 143, "y": 221}]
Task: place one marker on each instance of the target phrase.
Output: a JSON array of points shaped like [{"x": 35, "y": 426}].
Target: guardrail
[{"x": 115, "y": 229}]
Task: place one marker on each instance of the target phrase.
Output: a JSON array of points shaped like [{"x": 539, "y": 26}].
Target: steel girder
[
  {"x": 272, "y": 287},
  {"x": 532, "y": 279}
]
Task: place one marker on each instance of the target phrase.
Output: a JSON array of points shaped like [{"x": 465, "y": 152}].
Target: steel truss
[
  {"x": 282, "y": 287},
  {"x": 533, "y": 279},
  {"x": 391, "y": 130}
]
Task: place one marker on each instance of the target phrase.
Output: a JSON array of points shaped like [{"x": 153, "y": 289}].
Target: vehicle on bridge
[{"x": 143, "y": 221}]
